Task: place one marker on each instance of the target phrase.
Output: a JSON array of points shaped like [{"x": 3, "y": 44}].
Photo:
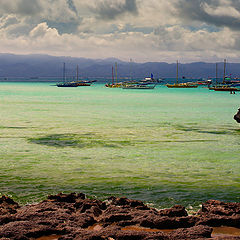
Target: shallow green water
[{"x": 162, "y": 146}]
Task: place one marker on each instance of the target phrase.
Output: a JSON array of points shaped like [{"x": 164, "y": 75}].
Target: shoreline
[{"x": 73, "y": 216}]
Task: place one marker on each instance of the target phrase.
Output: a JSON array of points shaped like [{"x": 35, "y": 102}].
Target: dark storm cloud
[
  {"x": 194, "y": 10},
  {"x": 105, "y": 10}
]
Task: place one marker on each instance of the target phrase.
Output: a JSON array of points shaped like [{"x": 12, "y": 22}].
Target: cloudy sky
[{"x": 144, "y": 30}]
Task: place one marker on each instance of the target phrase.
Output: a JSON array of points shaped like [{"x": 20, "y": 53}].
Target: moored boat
[
  {"x": 114, "y": 84},
  {"x": 181, "y": 85},
  {"x": 67, "y": 84},
  {"x": 64, "y": 83},
  {"x": 225, "y": 86},
  {"x": 76, "y": 83},
  {"x": 204, "y": 82}
]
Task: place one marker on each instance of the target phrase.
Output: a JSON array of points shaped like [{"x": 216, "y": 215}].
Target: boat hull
[
  {"x": 67, "y": 85},
  {"x": 181, "y": 86},
  {"x": 145, "y": 87},
  {"x": 226, "y": 89},
  {"x": 113, "y": 85}
]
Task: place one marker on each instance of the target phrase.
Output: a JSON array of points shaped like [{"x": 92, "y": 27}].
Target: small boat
[
  {"x": 151, "y": 80},
  {"x": 67, "y": 84},
  {"x": 181, "y": 85},
  {"x": 204, "y": 82},
  {"x": 114, "y": 84},
  {"x": 64, "y": 83},
  {"x": 76, "y": 83},
  {"x": 224, "y": 86},
  {"x": 84, "y": 83}
]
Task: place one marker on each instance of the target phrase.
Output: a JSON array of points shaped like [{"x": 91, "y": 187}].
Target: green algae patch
[
  {"x": 12, "y": 127},
  {"x": 200, "y": 130},
  {"x": 78, "y": 141}
]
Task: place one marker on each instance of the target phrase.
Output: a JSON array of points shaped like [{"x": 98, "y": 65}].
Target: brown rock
[
  {"x": 69, "y": 198},
  {"x": 125, "y": 202},
  {"x": 216, "y": 207},
  {"x": 237, "y": 116},
  {"x": 21, "y": 230},
  {"x": 176, "y": 211},
  {"x": 216, "y": 213},
  {"x": 73, "y": 216},
  {"x": 195, "y": 232},
  {"x": 7, "y": 206}
]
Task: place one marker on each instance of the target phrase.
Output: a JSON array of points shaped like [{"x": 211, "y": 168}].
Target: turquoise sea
[{"x": 163, "y": 146}]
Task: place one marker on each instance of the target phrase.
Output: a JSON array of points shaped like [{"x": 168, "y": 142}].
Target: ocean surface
[{"x": 163, "y": 146}]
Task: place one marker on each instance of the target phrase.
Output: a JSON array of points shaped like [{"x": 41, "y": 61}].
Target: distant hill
[{"x": 33, "y": 66}]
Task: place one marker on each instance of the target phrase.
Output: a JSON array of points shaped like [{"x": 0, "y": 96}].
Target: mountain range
[{"x": 44, "y": 66}]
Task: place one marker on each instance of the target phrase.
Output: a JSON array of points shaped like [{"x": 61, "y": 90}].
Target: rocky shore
[{"x": 73, "y": 216}]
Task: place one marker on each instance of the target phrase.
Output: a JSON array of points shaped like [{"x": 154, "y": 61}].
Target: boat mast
[
  {"x": 224, "y": 71},
  {"x": 131, "y": 71},
  {"x": 77, "y": 72},
  {"x": 177, "y": 73},
  {"x": 116, "y": 72},
  {"x": 216, "y": 73},
  {"x": 64, "y": 74},
  {"x": 112, "y": 76}
]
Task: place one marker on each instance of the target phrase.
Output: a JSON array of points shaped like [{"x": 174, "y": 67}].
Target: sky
[{"x": 141, "y": 30}]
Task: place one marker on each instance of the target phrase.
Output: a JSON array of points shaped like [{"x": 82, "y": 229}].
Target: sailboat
[
  {"x": 64, "y": 83},
  {"x": 224, "y": 87},
  {"x": 82, "y": 83},
  {"x": 76, "y": 83},
  {"x": 213, "y": 87},
  {"x": 114, "y": 84},
  {"x": 181, "y": 85}
]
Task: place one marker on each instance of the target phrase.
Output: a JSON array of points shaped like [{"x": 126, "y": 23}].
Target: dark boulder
[{"x": 237, "y": 116}]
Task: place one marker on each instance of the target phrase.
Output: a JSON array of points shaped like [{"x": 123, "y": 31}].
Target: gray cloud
[
  {"x": 236, "y": 4},
  {"x": 105, "y": 10},
  {"x": 72, "y": 6},
  {"x": 29, "y": 7},
  {"x": 8, "y": 21},
  {"x": 64, "y": 27},
  {"x": 195, "y": 10},
  {"x": 21, "y": 7}
]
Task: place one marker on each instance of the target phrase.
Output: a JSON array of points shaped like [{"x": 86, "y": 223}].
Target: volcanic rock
[
  {"x": 217, "y": 213},
  {"x": 73, "y": 216},
  {"x": 237, "y": 116}
]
